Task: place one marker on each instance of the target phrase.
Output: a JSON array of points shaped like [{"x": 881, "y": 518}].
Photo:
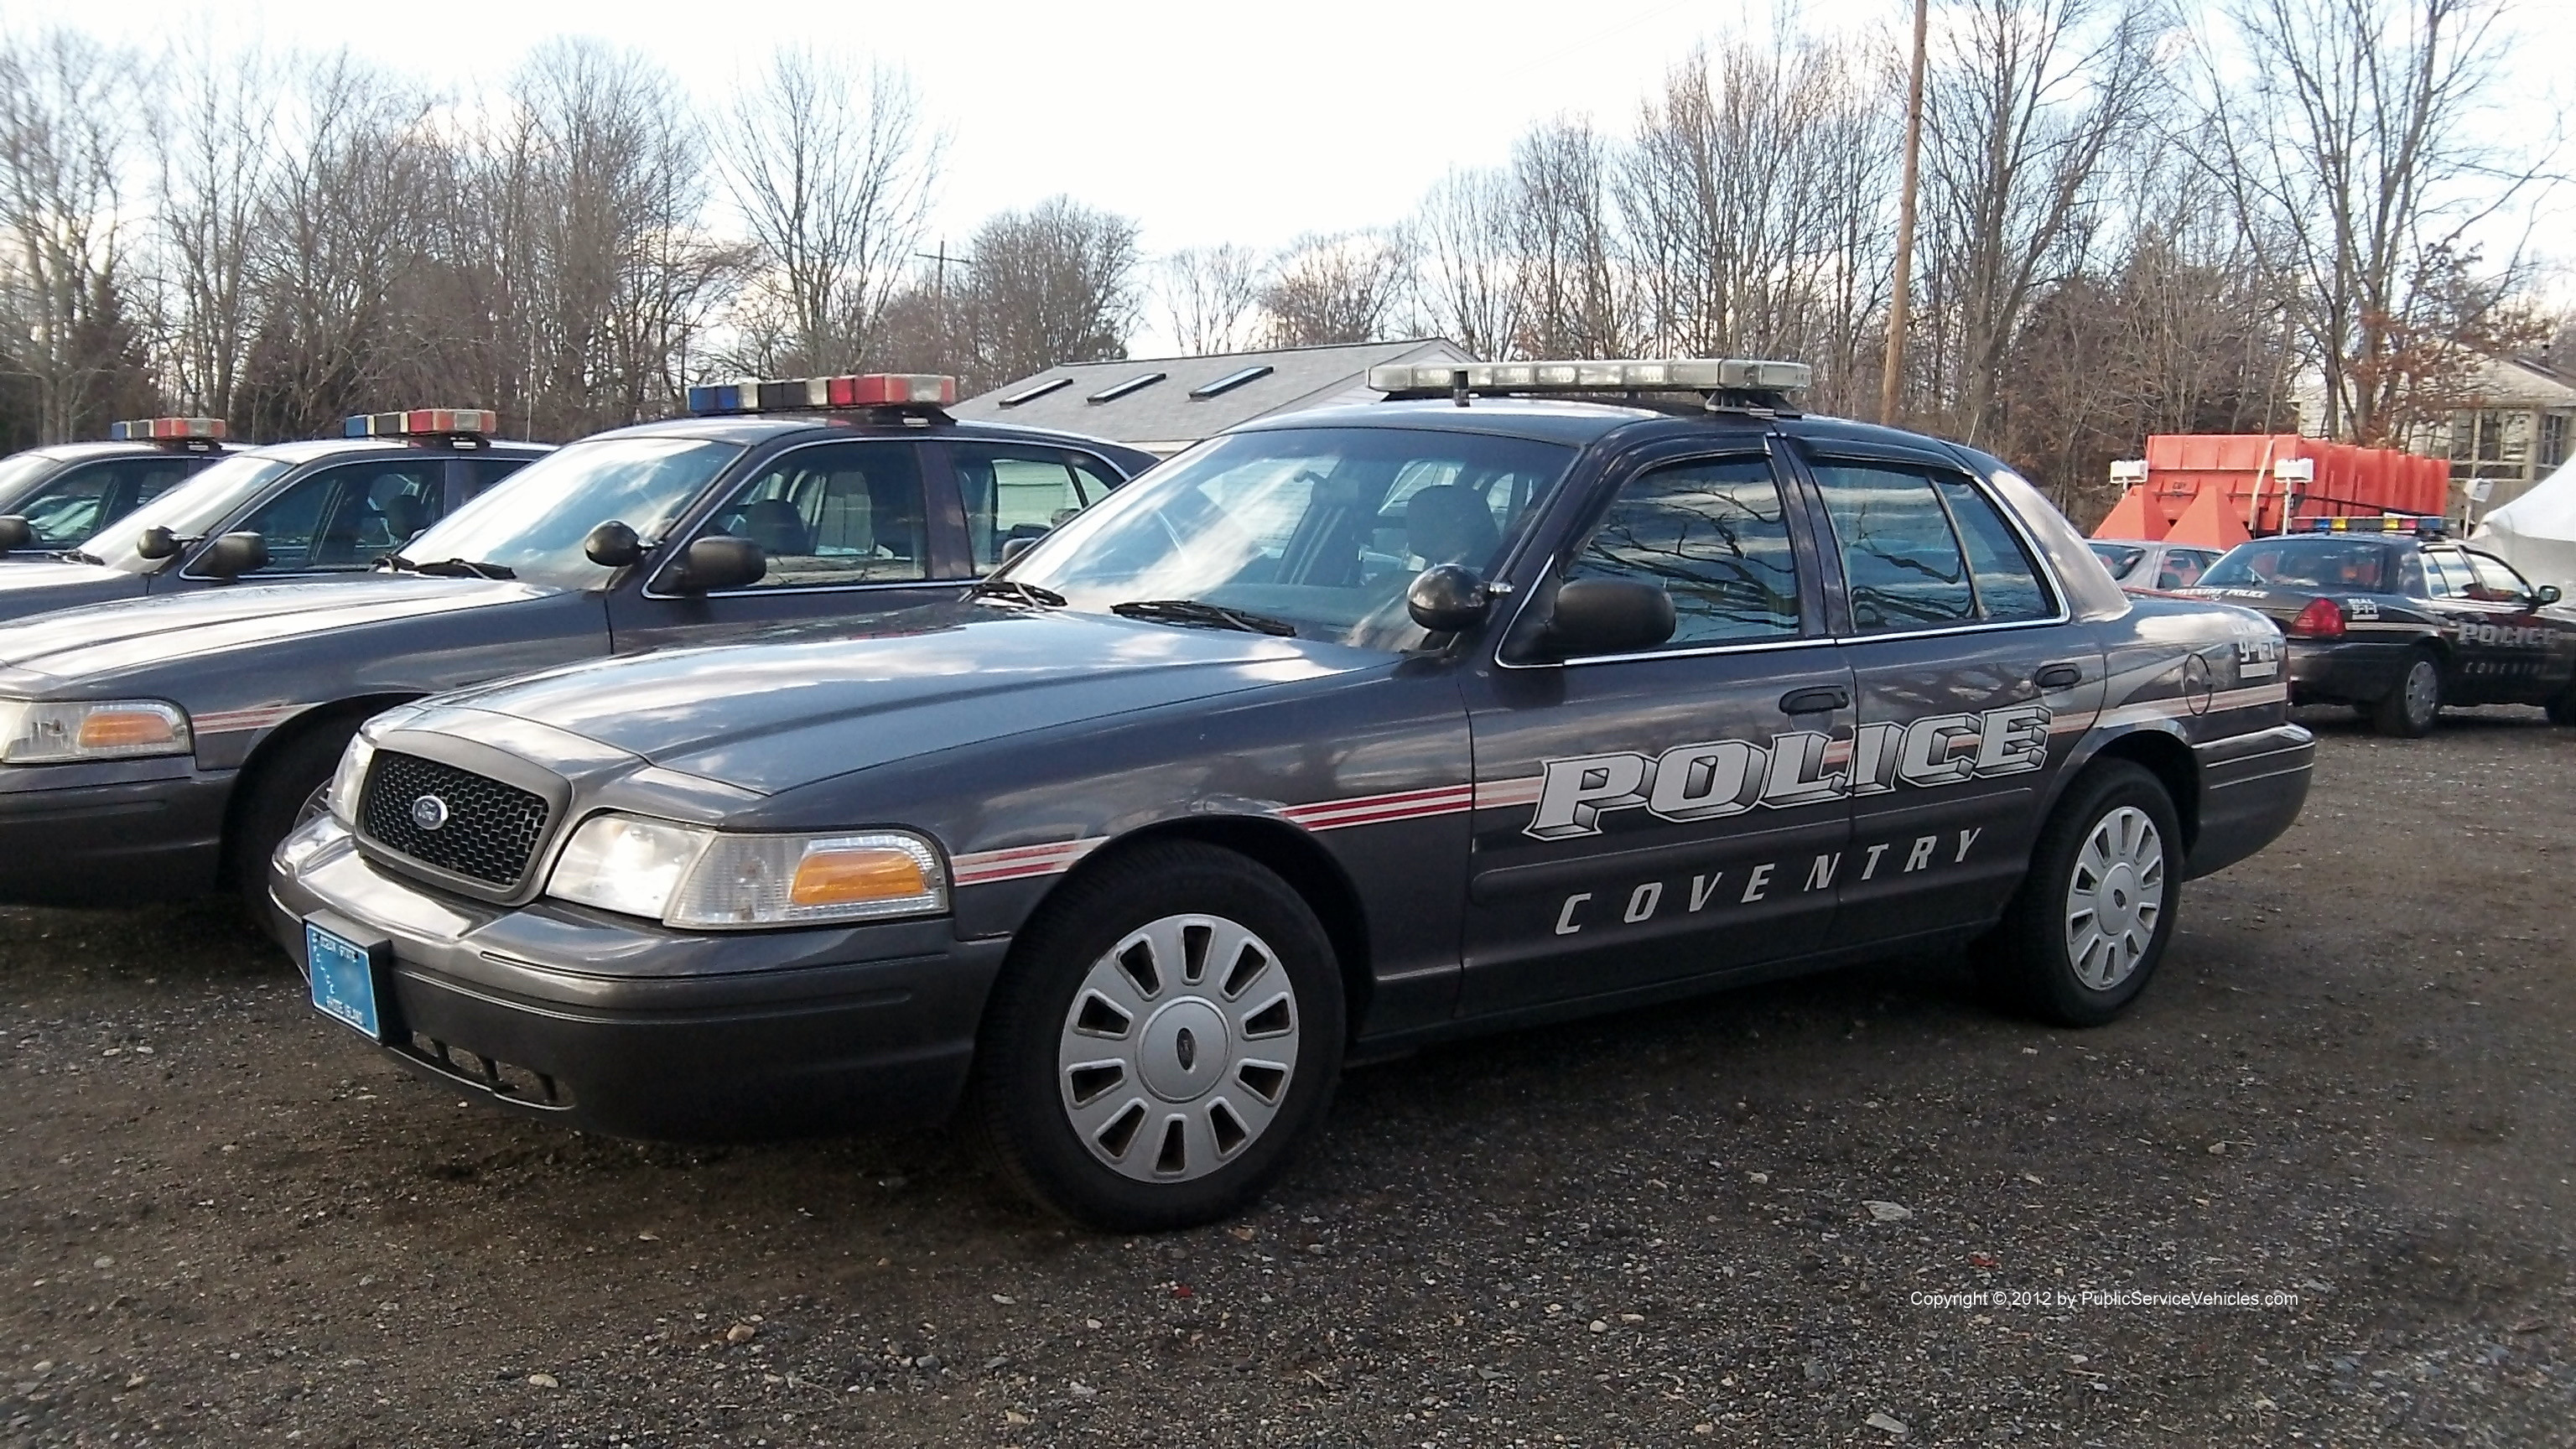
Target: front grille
[{"x": 490, "y": 832}]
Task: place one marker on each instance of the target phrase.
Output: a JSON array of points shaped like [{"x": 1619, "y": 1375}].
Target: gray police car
[
  {"x": 55, "y": 497},
  {"x": 281, "y": 513},
  {"x": 160, "y": 747},
  {"x": 1343, "y": 732},
  {"x": 2395, "y": 618}
]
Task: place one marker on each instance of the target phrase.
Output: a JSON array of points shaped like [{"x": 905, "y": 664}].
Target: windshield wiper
[
  {"x": 1194, "y": 611},
  {"x": 452, "y": 568},
  {"x": 74, "y": 555},
  {"x": 1014, "y": 589}
]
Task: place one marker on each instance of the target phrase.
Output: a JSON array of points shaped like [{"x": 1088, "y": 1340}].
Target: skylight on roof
[
  {"x": 1032, "y": 394},
  {"x": 1230, "y": 381},
  {"x": 1112, "y": 394}
]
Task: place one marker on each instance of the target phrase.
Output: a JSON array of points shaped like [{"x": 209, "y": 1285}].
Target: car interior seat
[
  {"x": 1448, "y": 524},
  {"x": 777, "y": 526}
]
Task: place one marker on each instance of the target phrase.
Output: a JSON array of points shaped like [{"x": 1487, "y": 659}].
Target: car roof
[
  {"x": 753, "y": 428},
  {"x": 307, "y": 450},
  {"x": 68, "y": 452},
  {"x": 1578, "y": 422}
]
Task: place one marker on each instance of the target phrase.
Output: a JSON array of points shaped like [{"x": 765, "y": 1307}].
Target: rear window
[
  {"x": 2119, "y": 558},
  {"x": 2325, "y": 564}
]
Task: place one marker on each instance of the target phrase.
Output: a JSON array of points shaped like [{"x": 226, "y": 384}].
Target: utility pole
[
  {"x": 1902, "y": 295},
  {"x": 940, "y": 262}
]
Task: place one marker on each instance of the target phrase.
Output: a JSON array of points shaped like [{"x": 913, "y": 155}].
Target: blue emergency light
[{"x": 2422, "y": 525}]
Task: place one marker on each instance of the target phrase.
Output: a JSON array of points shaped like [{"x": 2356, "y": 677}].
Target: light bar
[
  {"x": 420, "y": 422},
  {"x": 2423, "y": 525},
  {"x": 153, "y": 430},
  {"x": 811, "y": 394},
  {"x": 1697, "y": 374}
]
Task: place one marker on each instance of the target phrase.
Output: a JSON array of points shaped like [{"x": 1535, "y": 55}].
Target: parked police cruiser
[
  {"x": 1345, "y": 731},
  {"x": 53, "y": 498},
  {"x": 282, "y": 513},
  {"x": 161, "y": 747},
  {"x": 2392, "y": 617}
]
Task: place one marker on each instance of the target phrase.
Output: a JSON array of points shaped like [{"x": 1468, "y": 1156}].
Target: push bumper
[
  {"x": 110, "y": 834},
  {"x": 619, "y": 1026},
  {"x": 2345, "y": 671},
  {"x": 2251, "y": 789}
]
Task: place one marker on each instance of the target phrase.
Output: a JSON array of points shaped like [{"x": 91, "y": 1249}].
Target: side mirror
[
  {"x": 15, "y": 532},
  {"x": 613, "y": 545},
  {"x": 720, "y": 561},
  {"x": 157, "y": 542},
  {"x": 1609, "y": 616},
  {"x": 234, "y": 555},
  {"x": 2544, "y": 596},
  {"x": 1446, "y": 598}
]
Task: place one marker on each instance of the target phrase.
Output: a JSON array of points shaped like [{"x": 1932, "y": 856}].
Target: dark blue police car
[{"x": 1539, "y": 689}]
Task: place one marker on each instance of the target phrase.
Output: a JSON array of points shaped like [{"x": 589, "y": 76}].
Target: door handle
[
  {"x": 2060, "y": 676},
  {"x": 1815, "y": 700}
]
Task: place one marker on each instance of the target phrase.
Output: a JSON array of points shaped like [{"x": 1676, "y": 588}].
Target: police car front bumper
[
  {"x": 2344, "y": 671},
  {"x": 112, "y": 833},
  {"x": 624, "y": 1027}
]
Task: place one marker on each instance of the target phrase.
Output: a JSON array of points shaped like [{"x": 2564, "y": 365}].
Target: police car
[
  {"x": 2140, "y": 564},
  {"x": 280, "y": 513},
  {"x": 160, "y": 747},
  {"x": 2391, "y": 616},
  {"x": 1536, "y": 690},
  {"x": 53, "y": 498}
]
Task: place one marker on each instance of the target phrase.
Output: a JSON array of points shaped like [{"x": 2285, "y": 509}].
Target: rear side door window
[
  {"x": 1713, "y": 534},
  {"x": 835, "y": 515},
  {"x": 1901, "y": 561},
  {"x": 1016, "y": 492}
]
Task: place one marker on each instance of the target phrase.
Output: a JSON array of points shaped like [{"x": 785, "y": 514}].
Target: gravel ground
[{"x": 1747, "y": 1220}]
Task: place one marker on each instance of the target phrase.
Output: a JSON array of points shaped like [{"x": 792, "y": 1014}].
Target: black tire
[
  {"x": 275, "y": 798},
  {"x": 2562, "y": 710},
  {"x": 2031, "y": 961},
  {"x": 2409, "y": 711},
  {"x": 1026, "y": 1097}
]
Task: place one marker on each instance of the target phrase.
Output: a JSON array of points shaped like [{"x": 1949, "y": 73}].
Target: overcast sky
[{"x": 1206, "y": 122}]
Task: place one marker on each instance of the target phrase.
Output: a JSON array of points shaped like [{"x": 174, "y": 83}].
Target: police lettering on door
[{"x": 1718, "y": 778}]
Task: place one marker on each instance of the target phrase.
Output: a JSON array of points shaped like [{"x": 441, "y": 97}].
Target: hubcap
[
  {"x": 2115, "y": 898},
  {"x": 2423, "y": 692},
  {"x": 1177, "y": 1051}
]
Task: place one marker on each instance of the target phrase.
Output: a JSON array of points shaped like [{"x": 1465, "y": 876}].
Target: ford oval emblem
[{"x": 429, "y": 812}]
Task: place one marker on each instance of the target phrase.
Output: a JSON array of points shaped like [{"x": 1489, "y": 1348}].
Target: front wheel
[
  {"x": 282, "y": 792},
  {"x": 2408, "y": 711},
  {"x": 2562, "y": 709},
  {"x": 2090, "y": 922},
  {"x": 1166, "y": 1034}
]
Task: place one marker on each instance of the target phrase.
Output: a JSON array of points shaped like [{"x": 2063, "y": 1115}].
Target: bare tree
[
  {"x": 1573, "y": 283},
  {"x": 1347, "y": 287},
  {"x": 832, "y": 171},
  {"x": 1470, "y": 290},
  {"x": 1754, "y": 202},
  {"x": 2349, "y": 135},
  {"x": 1210, "y": 295},
  {"x": 2026, "y": 104},
  {"x": 215, "y": 138},
  {"x": 64, "y": 136},
  {"x": 1050, "y": 285}
]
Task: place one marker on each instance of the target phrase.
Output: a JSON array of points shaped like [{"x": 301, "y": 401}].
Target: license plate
[{"x": 343, "y": 977}]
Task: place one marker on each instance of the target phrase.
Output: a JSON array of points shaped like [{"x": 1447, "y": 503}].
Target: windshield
[
  {"x": 187, "y": 510},
  {"x": 533, "y": 524},
  {"x": 17, "y": 473},
  {"x": 1315, "y": 529},
  {"x": 2303, "y": 563}
]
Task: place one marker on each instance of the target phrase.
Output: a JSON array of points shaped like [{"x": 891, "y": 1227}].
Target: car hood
[
  {"x": 128, "y": 634},
  {"x": 770, "y": 717},
  {"x": 36, "y": 584}
]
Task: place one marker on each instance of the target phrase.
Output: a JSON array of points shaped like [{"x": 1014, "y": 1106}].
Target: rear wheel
[
  {"x": 286, "y": 789},
  {"x": 1164, "y": 1038},
  {"x": 2090, "y": 922},
  {"x": 2408, "y": 711},
  {"x": 2562, "y": 710}
]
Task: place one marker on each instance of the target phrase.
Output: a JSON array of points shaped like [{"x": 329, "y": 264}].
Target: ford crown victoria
[{"x": 1343, "y": 732}]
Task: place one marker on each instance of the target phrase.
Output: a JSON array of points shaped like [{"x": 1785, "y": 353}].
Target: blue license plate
[{"x": 343, "y": 977}]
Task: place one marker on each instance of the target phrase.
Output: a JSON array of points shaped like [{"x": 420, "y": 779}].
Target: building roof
[
  {"x": 2520, "y": 382},
  {"x": 1182, "y": 405}
]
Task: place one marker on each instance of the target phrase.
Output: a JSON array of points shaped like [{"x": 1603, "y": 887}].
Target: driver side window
[
  {"x": 1714, "y": 535},
  {"x": 343, "y": 519},
  {"x": 2497, "y": 583},
  {"x": 835, "y": 515}
]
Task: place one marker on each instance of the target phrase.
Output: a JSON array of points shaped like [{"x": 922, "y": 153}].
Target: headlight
[
  {"x": 686, "y": 876},
  {"x": 35, "y": 732},
  {"x": 350, "y": 778}
]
